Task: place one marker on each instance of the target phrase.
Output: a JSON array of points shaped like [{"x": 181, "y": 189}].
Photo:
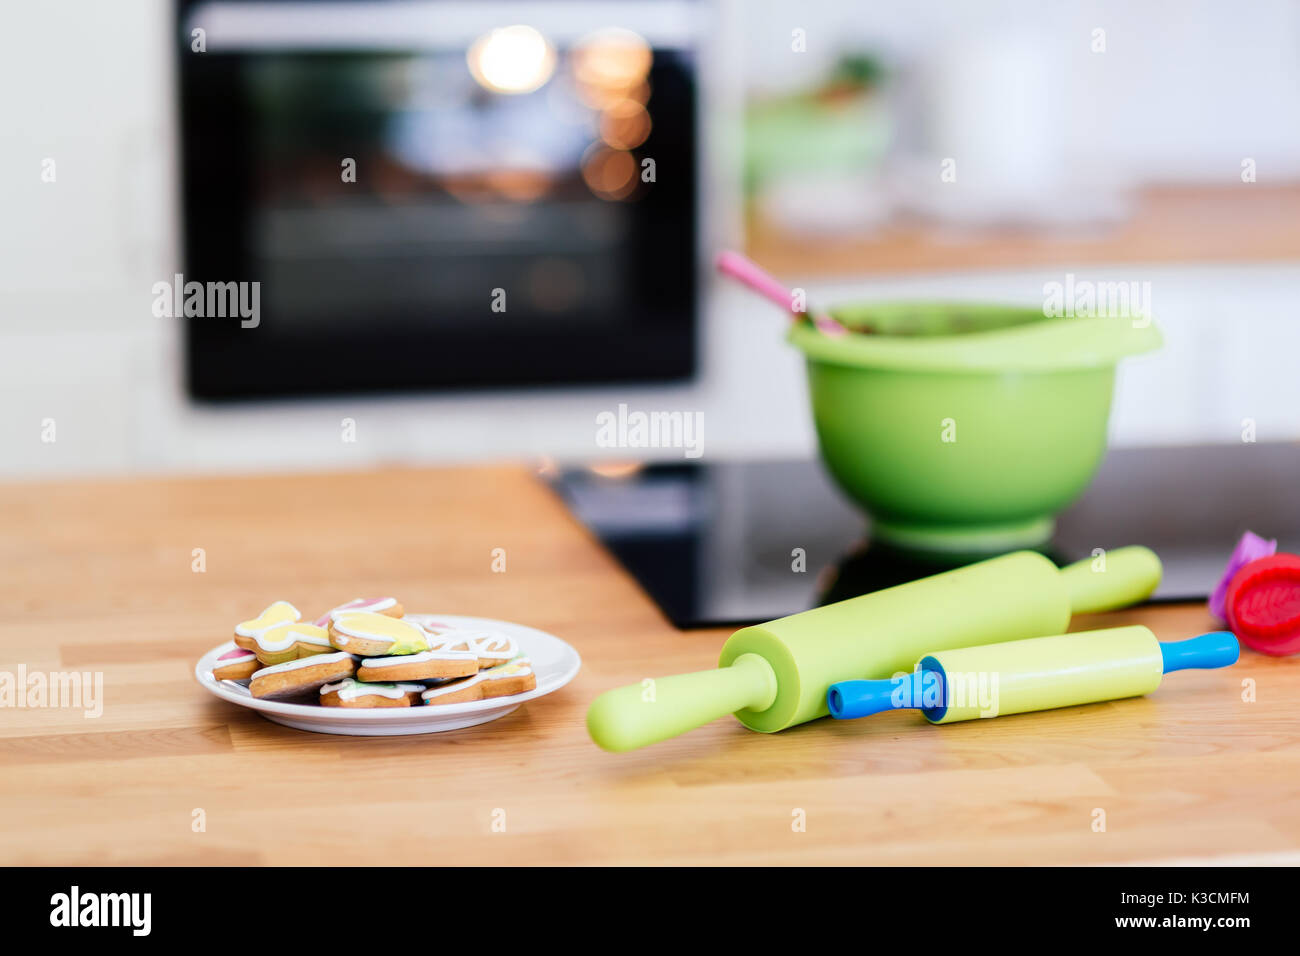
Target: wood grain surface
[
  {"x": 99, "y": 575},
  {"x": 1241, "y": 223}
]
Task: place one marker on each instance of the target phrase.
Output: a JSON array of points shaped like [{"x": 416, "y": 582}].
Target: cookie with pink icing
[
  {"x": 305, "y": 675},
  {"x": 504, "y": 680},
  {"x": 384, "y": 605},
  {"x": 350, "y": 692},
  {"x": 235, "y": 664}
]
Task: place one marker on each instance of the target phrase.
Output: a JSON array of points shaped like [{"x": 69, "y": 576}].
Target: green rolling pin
[
  {"x": 1039, "y": 673},
  {"x": 775, "y": 675}
]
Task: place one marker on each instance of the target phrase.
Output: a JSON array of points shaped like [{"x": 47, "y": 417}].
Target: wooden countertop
[
  {"x": 1241, "y": 223},
  {"x": 100, "y": 575}
]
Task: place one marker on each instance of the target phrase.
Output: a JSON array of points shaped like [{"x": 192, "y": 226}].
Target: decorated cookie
[
  {"x": 493, "y": 647},
  {"x": 376, "y": 635},
  {"x": 281, "y": 612},
  {"x": 385, "y": 605},
  {"x": 235, "y": 664},
  {"x": 443, "y": 660},
  {"x": 462, "y": 642},
  {"x": 354, "y": 693},
  {"x": 301, "y": 676},
  {"x": 290, "y": 641},
  {"x": 504, "y": 680}
]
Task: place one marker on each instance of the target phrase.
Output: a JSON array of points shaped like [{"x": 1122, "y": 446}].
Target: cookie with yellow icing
[
  {"x": 281, "y": 612},
  {"x": 376, "y": 635},
  {"x": 350, "y": 692},
  {"x": 302, "y": 676},
  {"x": 504, "y": 680},
  {"x": 290, "y": 641}
]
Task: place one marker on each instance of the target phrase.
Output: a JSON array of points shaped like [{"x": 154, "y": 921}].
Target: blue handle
[
  {"x": 861, "y": 698},
  {"x": 1216, "y": 649}
]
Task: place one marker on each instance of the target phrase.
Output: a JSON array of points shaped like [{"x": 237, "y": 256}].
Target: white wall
[
  {"x": 1181, "y": 89},
  {"x": 89, "y": 85}
]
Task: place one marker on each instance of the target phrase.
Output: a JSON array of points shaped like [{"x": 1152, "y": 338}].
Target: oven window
[{"x": 414, "y": 220}]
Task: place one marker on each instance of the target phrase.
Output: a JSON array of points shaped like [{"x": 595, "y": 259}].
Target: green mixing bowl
[{"x": 965, "y": 428}]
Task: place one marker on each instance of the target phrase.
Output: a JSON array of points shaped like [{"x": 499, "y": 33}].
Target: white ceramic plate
[{"x": 554, "y": 662}]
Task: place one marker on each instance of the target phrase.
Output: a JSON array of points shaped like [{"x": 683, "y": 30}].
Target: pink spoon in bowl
[{"x": 748, "y": 272}]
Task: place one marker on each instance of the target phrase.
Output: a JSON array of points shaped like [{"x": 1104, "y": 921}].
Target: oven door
[{"x": 422, "y": 197}]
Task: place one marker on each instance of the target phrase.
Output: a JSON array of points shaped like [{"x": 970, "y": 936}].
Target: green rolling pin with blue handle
[
  {"x": 1015, "y": 677},
  {"x": 775, "y": 675}
]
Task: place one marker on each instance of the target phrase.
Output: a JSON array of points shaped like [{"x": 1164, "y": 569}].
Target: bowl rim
[{"x": 1053, "y": 344}]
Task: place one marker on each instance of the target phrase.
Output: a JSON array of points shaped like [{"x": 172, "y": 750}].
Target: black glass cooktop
[{"x": 736, "y": 543}]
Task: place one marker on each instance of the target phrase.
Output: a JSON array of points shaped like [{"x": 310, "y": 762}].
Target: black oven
[{"x": 428, "y": 195}]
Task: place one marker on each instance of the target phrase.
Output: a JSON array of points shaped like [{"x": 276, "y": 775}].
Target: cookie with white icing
[
  {"x": 235, "y": 664},
  {"x": 247, "y": 632},
  {"x": 369, "y": 634},
  {"x": 493, "y": 647},
  {"x": 385, "y": 605},
  {"x": 444, "y": 659},
  {"x": 354, "y": 693},
  {"x": 302, "y": 676},
  {"x": 504, "y": 680}
]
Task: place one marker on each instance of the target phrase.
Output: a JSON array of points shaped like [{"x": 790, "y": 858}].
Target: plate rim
[{"x": 394, "y": 715}]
